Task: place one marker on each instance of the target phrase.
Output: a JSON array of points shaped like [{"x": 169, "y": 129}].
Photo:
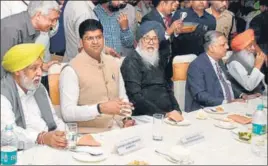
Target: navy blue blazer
[{"x": 202, "y": 85}]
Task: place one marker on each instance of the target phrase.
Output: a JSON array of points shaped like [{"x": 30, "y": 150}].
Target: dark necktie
[{"x": 226, "y": 88}]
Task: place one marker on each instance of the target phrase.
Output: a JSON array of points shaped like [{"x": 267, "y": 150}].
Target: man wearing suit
[
  {"x": 162, "y": 13},
  {"x": 207, "y": 78}
]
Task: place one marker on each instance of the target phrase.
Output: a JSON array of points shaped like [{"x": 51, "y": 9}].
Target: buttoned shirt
[
  {"x": 114, "y": 36},
  {"x": 16, "y": 29},
  {"x": 225, "y": 22}
]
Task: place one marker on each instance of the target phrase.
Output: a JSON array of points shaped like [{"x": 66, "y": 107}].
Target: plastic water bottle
[
  {"x": 259, "y": 137},
  {"x": 9, "y": 143}
]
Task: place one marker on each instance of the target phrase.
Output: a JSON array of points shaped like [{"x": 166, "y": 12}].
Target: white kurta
[
  {"x": 240, "y": 74},
  {"x": 34, "y": 122},
  {"x": 69, "y": 95}
]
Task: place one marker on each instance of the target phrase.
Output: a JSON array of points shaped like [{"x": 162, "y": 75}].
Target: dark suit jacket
[
  {"x": 165, "y": 46},
  {"x": 202, "y": 86}
]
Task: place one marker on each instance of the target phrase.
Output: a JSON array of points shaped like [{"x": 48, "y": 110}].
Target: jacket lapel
[{"x": 210, "y": 71}]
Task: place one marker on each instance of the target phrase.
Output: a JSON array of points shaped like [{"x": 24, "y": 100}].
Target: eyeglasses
[
  {"x": 93, "y": 38},
  {"x": 147, "y": 39}
]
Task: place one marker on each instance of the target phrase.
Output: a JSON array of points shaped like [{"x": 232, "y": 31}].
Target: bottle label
[
  {"x": 8, "y": 157},
  {"x": 258, "y": 129}
]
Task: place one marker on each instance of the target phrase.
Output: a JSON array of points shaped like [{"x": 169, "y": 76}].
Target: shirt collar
[
  {"x": 204, "y": 14},
  {"x": 213, "y": 62},
  {"x": 22, "y": 93},
  {"x": 31, "y": 30}
]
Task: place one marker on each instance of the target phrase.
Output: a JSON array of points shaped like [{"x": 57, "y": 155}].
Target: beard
[
  {"x": 29, "y": 84},
  {"x": 149, "y": 58},
  {"x": 116, "y": 8},
  {"x": 221, "y": 9},
  {"x": 249, "y": 57}
]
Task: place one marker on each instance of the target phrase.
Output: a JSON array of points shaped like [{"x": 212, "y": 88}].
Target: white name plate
[{"x": 129, "y": 145}]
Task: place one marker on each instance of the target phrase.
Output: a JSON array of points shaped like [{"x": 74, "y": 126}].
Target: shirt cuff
[
  {"x": 224, "y": 102},
  {"x": 32, "y": 135},
  {"x": 240, "y": 96},
  {"x": 167, "y": 36},
  {"x": 93, "y": 110},
  {"x": 176, "y": 35}
]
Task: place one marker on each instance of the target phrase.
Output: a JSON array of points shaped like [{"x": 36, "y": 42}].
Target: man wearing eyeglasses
[
  {"x": 90, "y": 89},
  {"x": 144, "y": 75}
]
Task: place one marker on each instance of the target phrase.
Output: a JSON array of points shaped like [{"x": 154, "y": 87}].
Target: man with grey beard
[
  {"x": 144, "y": 75},
  {"x": 25, "y": 102},
  {"x": 244, "y": 66}
]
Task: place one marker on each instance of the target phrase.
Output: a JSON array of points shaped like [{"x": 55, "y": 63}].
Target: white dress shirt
[
  {"x": 69, "y": 95},
  {"x": 34, "y": 122},
  {"x": 9, "y": 8},
  {"x": 248, "y": 81},
  {"x": 224, "y": 77}
]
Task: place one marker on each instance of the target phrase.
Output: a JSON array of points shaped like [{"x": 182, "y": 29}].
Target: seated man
[
  {"x": 24, "y": 100},
  {"x": 143, "y": 73},
  {"x": 89, "y": 85},
  {"x": 244, "y": 66},
  {"x": 207, "y": 81}
]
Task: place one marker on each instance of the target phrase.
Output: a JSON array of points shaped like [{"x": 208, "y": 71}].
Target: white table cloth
[{"x": 219, "y": 146}]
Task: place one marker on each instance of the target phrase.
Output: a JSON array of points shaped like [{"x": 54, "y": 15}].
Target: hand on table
[{"x": 55, "y": 139}]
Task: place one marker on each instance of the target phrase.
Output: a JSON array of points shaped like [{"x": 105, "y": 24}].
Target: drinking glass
[
  {"x": 71, "y": 135},
  {"x": 158, "y": 127}
]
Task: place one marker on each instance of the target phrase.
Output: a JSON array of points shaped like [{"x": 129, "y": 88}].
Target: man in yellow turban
[
  {"x": 24, "y": 100},
  {"x": 245, "y": 63}
]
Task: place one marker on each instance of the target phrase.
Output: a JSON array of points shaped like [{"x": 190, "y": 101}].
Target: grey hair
[
  {"x": 42, "y": 6},
  {"x": 210, "y": 38}
]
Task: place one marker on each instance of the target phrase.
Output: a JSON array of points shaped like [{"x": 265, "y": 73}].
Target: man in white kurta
[
  {"x": 24, "y": 101},
  {"x": 244, "y": 66}
]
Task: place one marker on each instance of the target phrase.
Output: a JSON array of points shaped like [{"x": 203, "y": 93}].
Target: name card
[
  {"x": 129, "y": 145},
  {"x": 191, "y": 139}
]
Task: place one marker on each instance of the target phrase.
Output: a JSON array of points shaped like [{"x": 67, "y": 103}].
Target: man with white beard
[
  {"x": 24, "y": 100},
  {"x": 244, "y": 66},
  {"x": 144, "y": 75}
]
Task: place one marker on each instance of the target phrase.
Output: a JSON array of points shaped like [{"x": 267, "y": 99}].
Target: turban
[
  {"x": 20, "y": 56},
  {"x": 151, "y": 25},
  {"x": 242, "y": 40}
]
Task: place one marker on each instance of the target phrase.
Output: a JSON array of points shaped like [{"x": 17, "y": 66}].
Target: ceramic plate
[
  {"x": 225, "y": 125},
  {"x": 185, "y": 122},
  {"x": 86, "y": 157}
]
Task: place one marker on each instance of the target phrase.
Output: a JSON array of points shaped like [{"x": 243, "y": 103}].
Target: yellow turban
[
  {"x": 22, "y": 55},
  {"x": 242, "y": 40}
]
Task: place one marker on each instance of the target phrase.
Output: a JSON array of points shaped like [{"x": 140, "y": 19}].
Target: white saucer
[
  {"x": 89, "y": 149},
  {"x": 225, "y": 125},
  {"x": 185, "y": 122},
  {"x": 86, "y": 157}
]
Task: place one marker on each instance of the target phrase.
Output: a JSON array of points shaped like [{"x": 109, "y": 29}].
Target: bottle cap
[{"x": 260, "y": 107}]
